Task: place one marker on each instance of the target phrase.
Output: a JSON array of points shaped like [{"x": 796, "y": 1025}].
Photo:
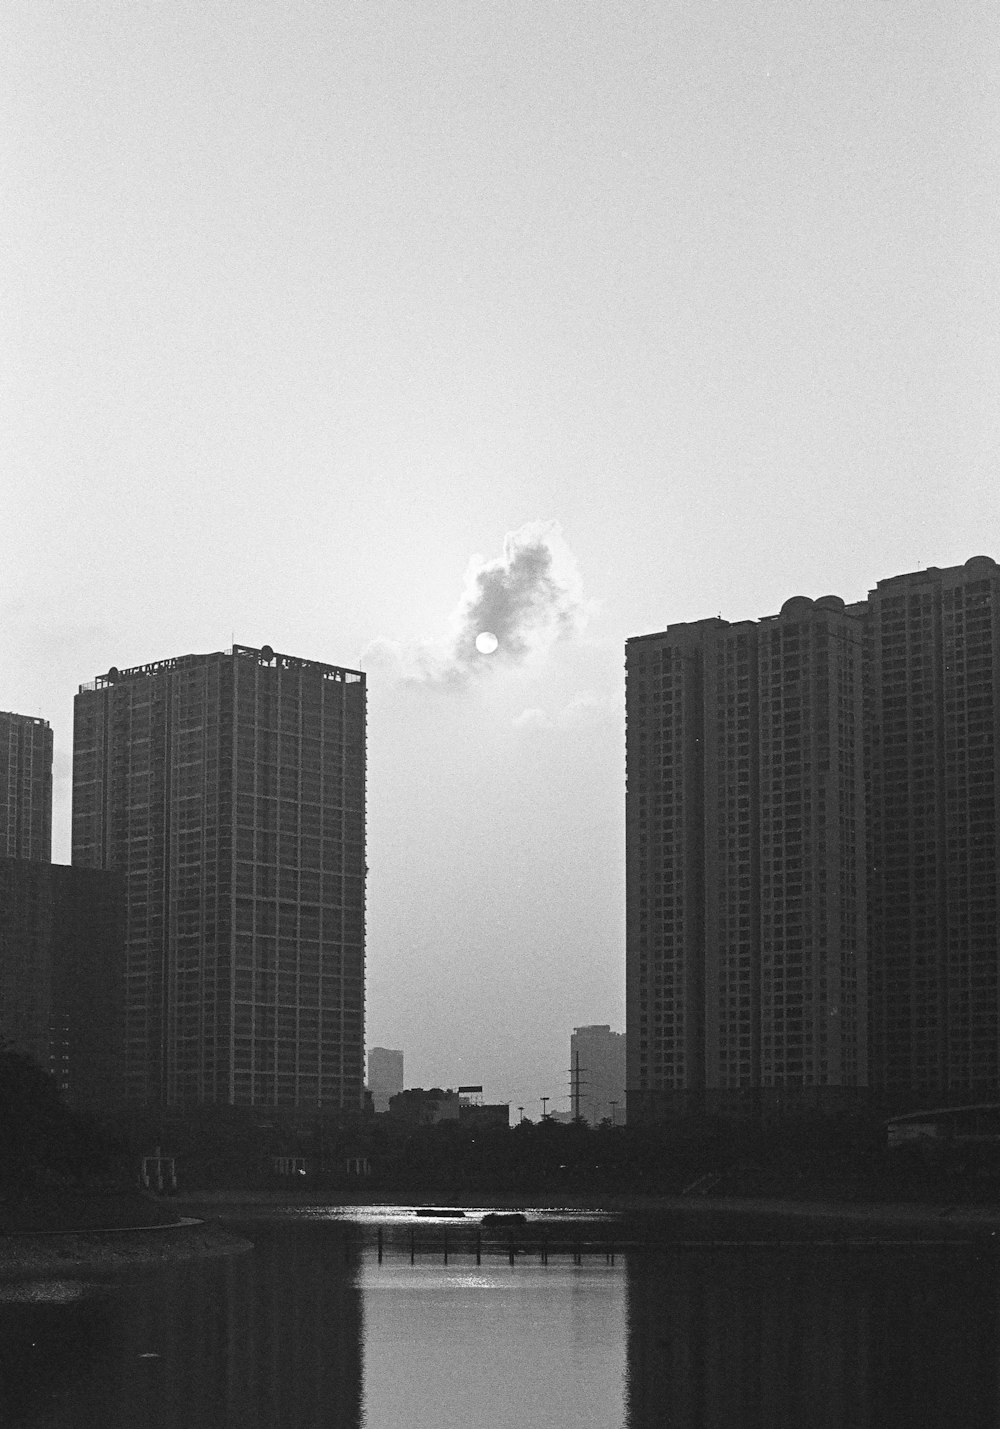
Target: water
[{"x": 310, "y": 1330}]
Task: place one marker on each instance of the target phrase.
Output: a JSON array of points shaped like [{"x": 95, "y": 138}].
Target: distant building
[
  {"x": 425, "y": 1108},
  {"x": 385, "y": 1076},
  {"x": 485, "y": 1114},
  {"x": 25, "y": 788},
  {"x": 229, "y": 790},
  {"x": 61, "y": 975},
  {"x": 474, "y": 1112},
  {"x": 597, "y": 1074}
]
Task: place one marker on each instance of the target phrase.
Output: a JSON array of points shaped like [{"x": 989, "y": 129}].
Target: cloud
[
  {"x": 530, "y": 596},
  {"x": 532, "y": 719},
  {"x": 583, "y": 709}
]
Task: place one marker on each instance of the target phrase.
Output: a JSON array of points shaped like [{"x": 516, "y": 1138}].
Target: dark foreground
[{"x": 313, "y": 1331}]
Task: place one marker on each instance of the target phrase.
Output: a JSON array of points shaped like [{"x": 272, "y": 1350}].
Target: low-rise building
[
  {"x": 62, "y": 965},
  {"x": 425, "y": 1108}
]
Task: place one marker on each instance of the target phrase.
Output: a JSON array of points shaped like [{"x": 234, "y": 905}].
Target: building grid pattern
[
  {"x": 230, "y": 789},
  {"x": 812, "y": 815},
  {"x": 25, "y": 787},
  {"x": 745, "y": 820}
]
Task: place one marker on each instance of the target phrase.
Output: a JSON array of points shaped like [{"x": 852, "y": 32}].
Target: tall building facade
[
  {"x": 746, "y": 934},
  {"x": 25, "y": 787},
  {"x": 813, "y": 848},
  {"x": 597, "y": 1074},
  {"x": 934, "y": 755},
  {"x": 385, "y": 1075},
  {"x": 229, "y": 790}
]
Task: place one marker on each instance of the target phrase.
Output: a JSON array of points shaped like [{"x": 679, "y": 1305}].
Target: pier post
[
  {"x": 412, "y": 1245},
  {"x": 479, "y": 1247},
  {"x": 380, "y": 1245}
]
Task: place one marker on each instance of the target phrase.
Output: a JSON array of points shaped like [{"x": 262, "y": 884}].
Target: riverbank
[
  {"x": 688, "y": 1218},
  {"x": 901, "y": 1211},
  {"x": 50, "y": 1253},
  {"x": 745, "y": 1219},
  {"x": 61, "y": 1209}
]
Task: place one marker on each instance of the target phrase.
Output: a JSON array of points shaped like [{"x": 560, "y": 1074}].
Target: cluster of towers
[
  {"x": 215, "y": 933},
  {"x": 812, "y": 866}
]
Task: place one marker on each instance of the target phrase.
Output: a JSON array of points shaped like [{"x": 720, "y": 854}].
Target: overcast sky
[{"x": 323, "y": 322}]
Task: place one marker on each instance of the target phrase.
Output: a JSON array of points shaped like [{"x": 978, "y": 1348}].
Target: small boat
[
  {"x": 439, "y": 1212},
  {"x": 505, "y": 1218}
]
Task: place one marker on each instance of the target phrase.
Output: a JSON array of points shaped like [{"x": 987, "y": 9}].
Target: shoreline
[
  {"x": 729, "y": 1220},
  {"x": 27, "y": 1254},
  {"x": 898, "y": 1213}
]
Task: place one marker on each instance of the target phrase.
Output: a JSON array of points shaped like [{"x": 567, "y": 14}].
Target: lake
[{"x": 310, "y": 1330}]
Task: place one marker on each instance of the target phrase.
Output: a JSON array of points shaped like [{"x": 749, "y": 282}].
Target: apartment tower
[
  {"x": 229, "y": 790},
  {"x": 746, "y": 964},
  {"x": 934, "y": 754},
  {"x": 25, "y": 788}
]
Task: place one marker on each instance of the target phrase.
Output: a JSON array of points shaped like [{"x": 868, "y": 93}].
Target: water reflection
[
  {"x": 259, "y": 1341},
  {"x": 829, "y": 1339},
  {"x": 482, "y": 1347},
  {"x": 310, "y": 1330}
]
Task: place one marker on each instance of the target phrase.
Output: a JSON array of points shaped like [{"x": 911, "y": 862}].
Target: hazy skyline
[{"x": 307, "y": 306}]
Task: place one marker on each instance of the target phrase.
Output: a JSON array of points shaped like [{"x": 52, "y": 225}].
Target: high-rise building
[
  {"x": 934, "y": 755},
  {"x": 746, "y": 934},
  {"x": 597, "y": 1074},
  {"x": 61, "y": 959},
  {"x": 813, "y": 847},
  {"x": 229, "y": 790},
  {"x": 385, "y": 1075},
  {"x": 25, "y": 787}
]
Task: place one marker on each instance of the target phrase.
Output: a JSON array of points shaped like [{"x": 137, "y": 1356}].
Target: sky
[{"x": 341, "y": 327}]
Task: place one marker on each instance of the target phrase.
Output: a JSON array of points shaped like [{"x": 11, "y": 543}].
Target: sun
[{"x": 486, "y": 642}]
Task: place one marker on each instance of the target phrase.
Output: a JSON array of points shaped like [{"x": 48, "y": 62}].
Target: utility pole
[
  {"x": 520, "y": 1115},
  {"x": 545, "y": 1104},
  {"x": 574, "y": 1086}
]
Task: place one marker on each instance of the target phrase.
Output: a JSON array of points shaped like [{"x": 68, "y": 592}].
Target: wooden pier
[{"x": 544, "y": 1244}]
